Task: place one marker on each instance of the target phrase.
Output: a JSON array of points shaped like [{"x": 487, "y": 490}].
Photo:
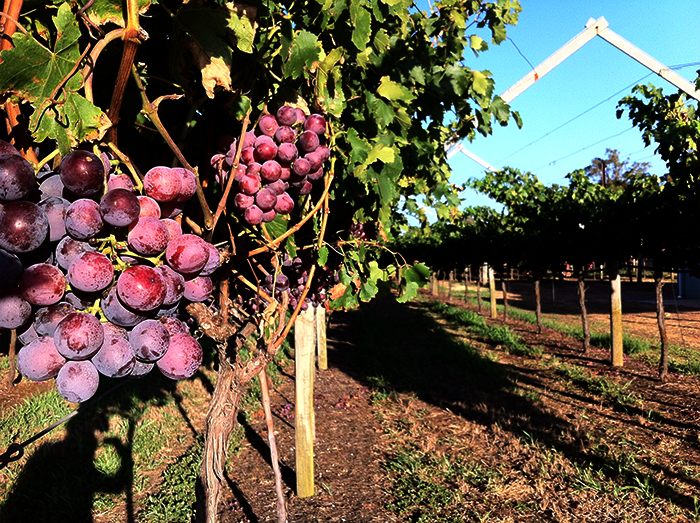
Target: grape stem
[
  {"x": 132, "y": 168},
  {"x": 151, "y": 111},
  {"x": 89, "y": 68},
  {"x": 46, "y": 160}
]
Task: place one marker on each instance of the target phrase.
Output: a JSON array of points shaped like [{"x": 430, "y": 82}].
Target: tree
[{"x": 613, "y": 172}]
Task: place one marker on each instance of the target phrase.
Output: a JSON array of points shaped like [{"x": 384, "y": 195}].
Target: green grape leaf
[
  {"x": 368, "y": 290},
  {"x": 278, "y": 226},
  {"x": 303, "y": 55},
  {"x": 323, "y": 256},
  {"x": 393, "y": 91},
  {"x": 103, "y": 12},
  {"x": 38, "y": 75},
  {"x": 412, "y": 279},
  {"x": 361, "y": 21}
]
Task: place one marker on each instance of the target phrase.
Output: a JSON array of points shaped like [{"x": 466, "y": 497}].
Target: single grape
[
  {"x": 162, "y": 184},
  {"x": 120, "y": 181},
  {"x": 68, "y": 248},
  {"x": 268, "y": 125},
  {"x": 315, "y": 161},
  {"x": 249, "y": 185},
  {"x": 83, "y": 219},
  {"x": 253, "y": 215},
  {"x": 268, "y": 216},
  {"x": 115, "y": 359},
  {"x": 315, "y": 175},
  {"x": 149, "y": 207},
  {"x": 270, "y": 171},
  {"x": 285, "y": 134},
  {"x": 285, "y": 173},
  {"x": 265, "y": 149},
  {"x": 315, "y": 123},
  {"x": 301, "y": 167},
  {"x": 254, "y": 169},
  {"x": 174, "y": 228},
  {"x": 118, "y": 313},
  {"x": 265, "y": 199},
  {"x": 77, "y": 381},
  {"x": 301, "y": 116},
  {"x": 149, "y": 237},
  {"x": 11, "y": 270},
  {"x": 23, "y": 226},
  {"x": 16, "y": 177},
  {"x": 78, "y": 336},
  {"x": 174, "y": 325},
  {"x": 183, "y": 358},
  {"x": 187, "y": 254},
  {"x": 141, "y": 288},
  {"x": 120, "y": 207},
  {"x": 42, "y": 284},
  {"x": 55, "y": 209},
  {"x": 40, "y": 361},
  {"x": 240, "y": 173},
  {"x": 150, "y": 340},
  {"x": 188, "y": 184},
  {"x": 286, "y": 115},
  {"x": 248, "y": 155},
  {"x": 8, "y": 148},
  {"x": 243, "y": 201},
  {"x": 82, "y": 173},
  {"x": 113, "y": 330},
  {"x": 324, "y": 151},
  {"x": 198, "y": 289},
  {"x": 287, "y": 153},
  {"x": 90, "y": 272},
  {"x": 277, "y": 187},
  {"x": 284, "y": 204},
  {"x": 308, "y": 141},
  {"x": 174, "y": 284}
]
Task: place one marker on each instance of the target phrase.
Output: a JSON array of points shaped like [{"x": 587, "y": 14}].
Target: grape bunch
[
  {"x": 291, "y": 280},
  {"x": 94, "y": 273},
  {"x": 283, "y": 155}
]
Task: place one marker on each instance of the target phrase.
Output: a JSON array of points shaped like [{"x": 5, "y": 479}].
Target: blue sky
[{"x": 665, "y": 29}]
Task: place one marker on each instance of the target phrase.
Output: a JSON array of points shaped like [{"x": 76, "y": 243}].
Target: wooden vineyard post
[
  {"x": 466, "y": 284},
  {"x": 304, "y": 349},
  {"x": 492, "y": 293},
  {"x": 449, "y": 285},
  {"x": 320, "y": 324},
  {"x": 615, "y": 314}
]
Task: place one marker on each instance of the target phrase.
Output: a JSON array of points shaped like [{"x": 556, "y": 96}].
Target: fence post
[{"x": 304, "y": 350}]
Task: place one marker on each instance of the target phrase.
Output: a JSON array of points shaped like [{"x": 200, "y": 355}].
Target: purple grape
[
  {"x": 8, "y": 148},
  {"x": 42, "y": 284},
  {"x": 174, "y": 228},
  {"x": 324, "y": 151},
  {"x": 141, "y": 369},
  {"x": 249, "y": 185},
  {"x": 141, "y": 288},
  {"x": 187, "y": 254},
  {"x": 284, "y": 204},
  {"x": 39, "y": 360},
  {"x": 240, "y": 173},
  {"x": 77, "y": 381},
  {"x": 47, "y": 318},
  {"x": 286, "y": 115},
  {"x": 118, "y": 313},
  {"x": 150, "y": 340},
  {"x": 315, "y": 175},
  {"x": 213, "y": 262},
  {"x": 11, "y": 270},
  {"x": 90, "y": 272},
  {"x": 51, "y": 186},
  {"x": 268, "y": 216},
  {"x": 149, "y": 237},
  {"x": 16, "y": 177},
  {"x": 305, "y": 188},
  {"x": 82, "y": 173},
  {"x": 83, "y": 219},
  {"x": 308, "y": 141},
  {"x": 149, "y": 207},
  {"x": 115, "y": 359},
  {"x": 315, "y": 123},
  {"x": 198, "y": 289},
  {"x": 243, "y": 201},
  {"x": 253, "y": 215},
  {"x": 120, "y": 181},
  {"x": 78, "y": 336},
  {"x": 287, "y": 153},
  {"x": 277, "y": 187},
  {"x": 188, "y": 184},
  {"x": 174, "y": 284},
  {"x": 265, "y": 200},
  {"x": 162, "y": 184},
  {"x": 268, "y": 125},
  {"x": 23, "y": 226},
  {"x": 68, "y": 248},
  {"x": 315, "y": 161},
  {"x": 55, "y": 209},
  {"x": 265, "y": 149},
  {"x": 120, "y": 207},
  {"x": 254, "y": 169},
  {"x": 301, "y": 167},
  {"x": 285, "y": 134},
  {"x": 301, "y": 115},
  {"x": 270, "y": 171},
  {"x": 183, "y": 358},
  {"x": 248, "y": 155},
  {"x": 174, "y": 325},
  {"x": 112, "y": 330},
  {"x": 285, "y": 173}
]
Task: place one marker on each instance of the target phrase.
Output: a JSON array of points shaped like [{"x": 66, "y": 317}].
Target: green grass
[{"x": 612, "y": 392}]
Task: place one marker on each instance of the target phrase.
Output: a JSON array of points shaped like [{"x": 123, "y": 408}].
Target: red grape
[
  {"x": 308, "y": 141},
  {"x": 77, "y": 381},
  {"x": 287, "y": 153},
  {"x": 174, "y": 284},
  {"x": 284, "y": 204},
  {"x": 149, "y": 207},
  {"x": 174, "y": 228},
  {"x": 286, "y": 115},
  {"x": 23, "y": 226},
  {"x": 248, "y": 155},
  {"x": 187, "y": 254},
  {"x": 68, "y": 248},
  {"x": 90, "y": 272},
  {"x": 315, "y": 123},
  {"x": 116, "y": 312},
  {"x": 243, "y": 201},
  {"x": 183, "y": 358},
  {"x": 301, "y": 167},
  {"x": 268, "y": 216},
  {"x": 315, "y": 175},
  {"x": 249, "y": 185},
  {"x": 150, "y": 340},
  {"x": 120, "y": 181},
  {"x": 83, "y": 219},
  {"x": 162, "y": 184},
  {"x": 265, "y": 199},
  {"x": 55, "y": 209},
  {"x": 268, "y": 125},
  {"x": 213, "y": 262},
  {"x": 285, "y": 134},
  {"x": 16, "y": 177},
  {"x": 116, "y": 358},
  {"x": 198, "y": 289},
  {"x": 149, "y": 237},
  {"x": 78, "y": 336},
  {"x": 39, "y": 360},
  {"x": 141, "y": 287},
  {"x": 47, "y": 318},
  {"x": 188, "y": 184},
  {"x": 120, "y": 207},
  {"x": 174, "y": 326},
  {"x": 82, "y": 173},
  {"x": 14, "y": 310},
  {"x": 42, "y": 284},
  {"x": 253, "y": 215},
  {"x": 270, "y": 171}
]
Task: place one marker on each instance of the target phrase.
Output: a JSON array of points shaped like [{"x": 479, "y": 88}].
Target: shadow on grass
[{"x": 402, "y": 348}]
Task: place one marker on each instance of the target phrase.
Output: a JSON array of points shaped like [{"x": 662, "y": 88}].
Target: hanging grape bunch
[
  {"x": 94, "y": 274},
  {"x": 284, "y": 155}
]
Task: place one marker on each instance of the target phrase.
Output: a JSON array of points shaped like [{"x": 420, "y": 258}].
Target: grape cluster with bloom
[{"x": 94, "y": 273}]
